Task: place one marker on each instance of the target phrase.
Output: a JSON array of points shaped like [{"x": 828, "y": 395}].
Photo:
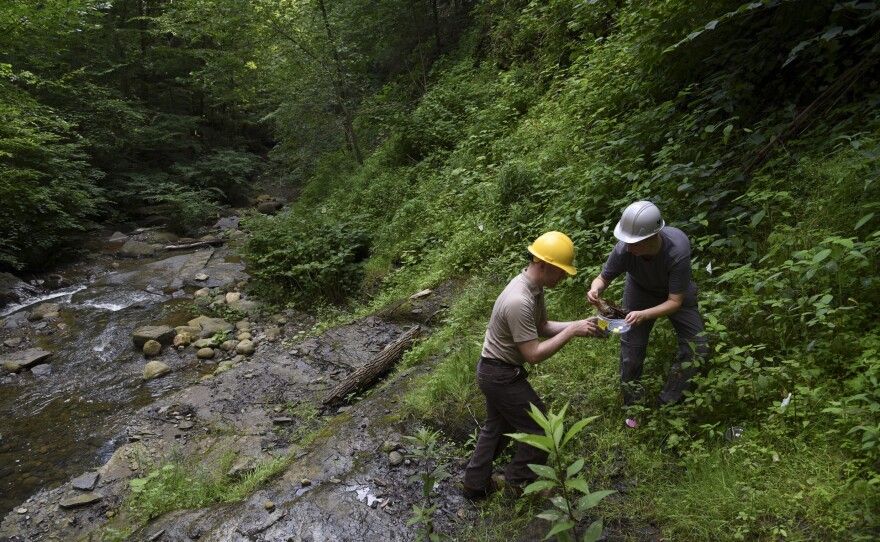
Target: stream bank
[
  {"x": 347, "y": 484},
  {"x": 90, "y": 406}
]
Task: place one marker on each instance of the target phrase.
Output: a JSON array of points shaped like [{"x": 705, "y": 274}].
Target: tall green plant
[
  {"x": 428, "y": 453},
  {"x": 567, "y": 508}
]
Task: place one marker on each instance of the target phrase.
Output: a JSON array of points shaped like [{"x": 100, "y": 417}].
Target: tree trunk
[
  {"x": 367, "y": 374},
  {"x": 438, "y": 44},
  {"x": 339, "y": 89}
]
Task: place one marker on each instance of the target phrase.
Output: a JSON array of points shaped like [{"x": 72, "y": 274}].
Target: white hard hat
[{"x": 639, "y": 221}]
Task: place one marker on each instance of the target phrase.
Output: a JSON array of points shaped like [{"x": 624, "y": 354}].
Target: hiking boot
[{"x": 473, "y": 494}]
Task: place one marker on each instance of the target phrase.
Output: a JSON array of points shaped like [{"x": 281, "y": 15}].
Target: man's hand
[
  {"x": 588, "y": 328},
  {"x": 635, "y": 318},
  {"x": 596, "y": 288}
]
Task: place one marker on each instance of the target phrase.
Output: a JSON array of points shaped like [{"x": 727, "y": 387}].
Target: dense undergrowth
[{"x": 755, "y": 129}]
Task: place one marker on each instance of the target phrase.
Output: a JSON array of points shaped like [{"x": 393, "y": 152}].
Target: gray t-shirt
[
  {"x": 669, "y": 271},
  {"x": 517, "y": 313}
]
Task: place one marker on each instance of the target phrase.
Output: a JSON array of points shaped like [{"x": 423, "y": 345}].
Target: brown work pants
[{"x": 508, "y": 395}]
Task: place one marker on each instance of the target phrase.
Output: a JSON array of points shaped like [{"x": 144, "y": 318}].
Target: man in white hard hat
[
  {"x": 519, "y": 319},
  {"x": 657, "y": 261}
]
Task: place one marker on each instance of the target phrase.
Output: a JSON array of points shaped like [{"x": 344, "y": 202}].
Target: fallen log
[
  {"x": 197, "y": 244},
  {"x": 373, "y": 369}
]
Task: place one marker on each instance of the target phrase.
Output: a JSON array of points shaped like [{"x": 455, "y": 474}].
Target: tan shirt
[{"x": 515, "y": 318}]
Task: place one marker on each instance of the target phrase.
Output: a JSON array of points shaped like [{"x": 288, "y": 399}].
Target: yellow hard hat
[{"x": 556, "y": 249}]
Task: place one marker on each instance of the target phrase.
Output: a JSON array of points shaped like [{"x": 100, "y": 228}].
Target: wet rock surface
[
  {"x": 23, "y": 359},
  {"x": 340, "y": 487}
]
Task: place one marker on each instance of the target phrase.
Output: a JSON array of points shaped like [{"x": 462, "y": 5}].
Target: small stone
[
  {"x": 155, "y": 369},
  {"x": 335, "y": 481},
  {"x": 244, "y": 336},
  {"x": 269, "y": 505},
  {"x": 86, "y": 482},
  {"x": 395, "y": 459},
  {"x": 152, "y": 348},
  {"x": 83, "y": 499},
  {"x": 245, "y": 347},
  {"x": 202, "y": 292},
  {"x": 305, "y": 482},
  {"x": 232, "y": 297},
  {"x": 21, "y": 510},
  {"x": 205, "y": 353},
  {"x": 42, "y": 370},
  {"x": 185, "y": 425},
  {"x": 201, "y": 277},
  {"x": 182, "y": 339},
  {"x": 282, "y": 420}
]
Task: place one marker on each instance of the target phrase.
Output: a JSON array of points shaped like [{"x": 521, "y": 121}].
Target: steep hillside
[{"x": 754, "y": 127}]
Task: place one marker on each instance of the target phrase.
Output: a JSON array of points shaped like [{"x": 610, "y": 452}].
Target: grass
[
  {"x": 190, "y": 483},
  {"x": 772, "y": 484}
]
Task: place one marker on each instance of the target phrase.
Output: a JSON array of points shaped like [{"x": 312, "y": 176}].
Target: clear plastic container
[{"x": 612, "y": 325}]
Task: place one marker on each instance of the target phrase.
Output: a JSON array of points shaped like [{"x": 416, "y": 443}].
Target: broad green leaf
[
  {"x": 540, "y": 485},
  {"x": 543, "y": 470},
  {"x": 551, "y": 515},
  {"x": 574, "y": 468},
  {"x": 579, "y": 484},
  {"x": 594, "y": 532},
  {"x": 560, "y": 503},
  {"x": 576, "y": 428},
  {"x": 862, "y": 221},
  {"x": 559, "y": 527},
  {"x": 557, "y": 433},
  {"x": 821, "y": 255},
  {"x": 758, "y": 217},
  {"x": 591, "y": 500},
  {"x": 538, "y": 441}
]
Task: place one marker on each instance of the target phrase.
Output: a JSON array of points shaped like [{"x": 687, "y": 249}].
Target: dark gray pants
[
  {"x": 508, "y": 395},
  {"x": 634, "y": 344}
]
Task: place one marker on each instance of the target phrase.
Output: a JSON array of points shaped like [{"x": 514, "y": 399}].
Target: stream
[{"x": 61, "y": 424}]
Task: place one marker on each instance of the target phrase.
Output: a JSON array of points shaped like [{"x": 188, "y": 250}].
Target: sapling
[
  {"x": 567, "y": 509},
  {"x": 428, "y": 454}
]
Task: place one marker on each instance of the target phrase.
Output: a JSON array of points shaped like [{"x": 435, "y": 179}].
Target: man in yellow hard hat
[
  {"x": 519, "y": 319},
  {"x": 657, "y": 261}
]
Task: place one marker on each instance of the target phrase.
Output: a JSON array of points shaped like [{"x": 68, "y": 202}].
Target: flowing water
[{"x": 60, "y": 425}]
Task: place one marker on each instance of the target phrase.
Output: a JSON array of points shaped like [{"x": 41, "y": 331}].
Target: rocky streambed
[{"x": 103, "y": 423}]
